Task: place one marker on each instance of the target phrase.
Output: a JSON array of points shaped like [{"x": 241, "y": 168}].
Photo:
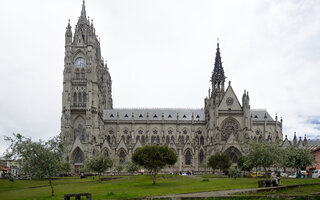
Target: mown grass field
[{"x": 126, "y": 186}]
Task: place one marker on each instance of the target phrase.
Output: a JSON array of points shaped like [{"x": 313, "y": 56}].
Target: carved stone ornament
[
  {"x": 229, "y": 101},
  {"x": 229, "y": 126}
]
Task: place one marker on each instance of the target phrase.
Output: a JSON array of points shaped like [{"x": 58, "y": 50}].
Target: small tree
[
  {"x": 154, "y": 158},
  {"x": 234, "y": 172},
  {"x": 119, "y": 169},
  {"x": 99, "y": 164},
  {"x": 40, "y": 159},
  {"x": 263, "y": 154},
  {"x": 298, "y": 158},
  {"x": 244, "y": 165},
  {"x": 219, "y": 161},
  {"x": 132, "y": 167}
]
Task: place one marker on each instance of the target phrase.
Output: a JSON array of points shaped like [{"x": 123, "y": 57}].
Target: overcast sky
[{"x": 161, "y": 54}]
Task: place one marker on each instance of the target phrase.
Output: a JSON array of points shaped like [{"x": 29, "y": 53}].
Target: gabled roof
[
  {"x": 230, "y": 93},
  {"x": 259, "y": 114}
]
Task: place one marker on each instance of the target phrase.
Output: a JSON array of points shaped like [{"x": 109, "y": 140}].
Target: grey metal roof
[
  {"x": 258, "y": 115},
  {"x": 154, "y": 114}
]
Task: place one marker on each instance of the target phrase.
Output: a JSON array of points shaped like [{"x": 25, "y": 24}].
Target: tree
[
  {"x": 154, "y": 158},
  {"x": 65, "y": 167},
  {"x": 40, "y": 159},
  {"x": 264, "y": 155},
  {"x": 298, "y": 157},
  {"x": 234, "y": 172},
  {"x": 244, "y": 165},
  {"x": 219, "y": 161},
  {"x": 119, "y": 169},
  {"x": 99, "y": 164},
  {"x": 132, "y": 167}
]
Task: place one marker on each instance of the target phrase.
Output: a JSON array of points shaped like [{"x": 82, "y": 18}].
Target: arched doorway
[
  {"x": 234, "y": 154},
  {"x": 78, "y": 160}
]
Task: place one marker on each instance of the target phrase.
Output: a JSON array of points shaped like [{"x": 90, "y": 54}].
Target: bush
[{"x": 234, "y": 172}]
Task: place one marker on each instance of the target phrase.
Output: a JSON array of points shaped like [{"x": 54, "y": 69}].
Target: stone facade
[{"x": 90, "y": 125}]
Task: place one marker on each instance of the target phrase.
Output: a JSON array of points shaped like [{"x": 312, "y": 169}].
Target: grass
[{"x": 126, "y": 186}]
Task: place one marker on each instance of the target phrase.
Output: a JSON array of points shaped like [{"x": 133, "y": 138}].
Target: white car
[
  {"x": 293, "y": 175},
  {"x": 316, "y": 174}
]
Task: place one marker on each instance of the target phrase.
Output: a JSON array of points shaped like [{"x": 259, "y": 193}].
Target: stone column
[{"x": 180, "y": 159}]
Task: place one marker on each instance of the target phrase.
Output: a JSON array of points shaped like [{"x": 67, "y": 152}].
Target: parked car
[
  {"x": 283, "y": 174},
  {"x": 257, "y": 174},
  {"x": 292, "y": 175},
  {"x": 316, "y": 174}
]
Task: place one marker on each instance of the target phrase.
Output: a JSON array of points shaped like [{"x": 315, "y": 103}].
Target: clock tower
[{"x": 86, "y": 91}]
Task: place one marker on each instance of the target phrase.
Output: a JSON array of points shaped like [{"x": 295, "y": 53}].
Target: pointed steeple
[
  {"x": 83, "y": 15},
  {"x": 295, "y": 139},
  {"x": 218, "y": 77}
]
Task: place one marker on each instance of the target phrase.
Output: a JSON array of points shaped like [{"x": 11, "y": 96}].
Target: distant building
[
  {"x": 10, "y": 166},
  {"x": 90, "y": 125}
]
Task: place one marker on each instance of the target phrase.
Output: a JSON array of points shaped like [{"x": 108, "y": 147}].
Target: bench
[{"x": 78, "y": 196}]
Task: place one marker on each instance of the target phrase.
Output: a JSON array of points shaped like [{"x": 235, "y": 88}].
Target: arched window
[
  {"x": 128, "y": 139},
  {"x": 108, "y": 139},
  {"x": 196, "y": 140},
  {"x": 143, "y": 139},
  {"x": 74, "y": 99},
  {"x": 172, "y": 138},
  {"x": 106, "y": 153},
  {"x": 167, "y": 140},
  {"x": 122, "y": 138},
  {"x": 78, "y": 156},
  {"x": 158, "y": 139},
  {"x": 80, "y": 98},
  {"x": 84, "y": 99},
  {"x": 153, "y": 139},
  {"x": 83, "y": 73},
  {"x": 201, "y": 156},
  {"x": 122, "y": 156},
  {"x": 201, "y": 140},
  {"x": 83, "y": 134},
  {"x": 188, "y": 157},
  {"x": 137, "y": 138},
  {"x": 187, "y": 138}
]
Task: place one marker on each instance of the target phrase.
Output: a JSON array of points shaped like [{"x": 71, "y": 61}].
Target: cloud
[{"x": 161, "y": 54}]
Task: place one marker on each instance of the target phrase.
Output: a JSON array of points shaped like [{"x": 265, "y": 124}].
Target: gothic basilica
[{"x": 90, "y": 125}]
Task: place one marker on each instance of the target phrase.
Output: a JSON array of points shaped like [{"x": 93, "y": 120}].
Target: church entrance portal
[{"x": 234, "y": 154}]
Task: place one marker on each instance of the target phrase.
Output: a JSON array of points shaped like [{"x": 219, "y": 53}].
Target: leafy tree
[
  {"x": 65, "y": 167},
  {"x": 264, "y": 155},
  {"x": 40, "y": 159},
  {"x": 99, "y": 164},
  {"x": 244, "y": 165},
  {"x": 298, "y": 158},
  {"x": 119, "y": 168},
  {"x": 219, "y": 161},
  {"x": 132, "y": 167},
  {"x": 154, "y": 158},
  {"x": 234, "y": 172}
]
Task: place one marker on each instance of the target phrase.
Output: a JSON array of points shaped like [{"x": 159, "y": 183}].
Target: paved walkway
[{"x": 225, "y": 193}]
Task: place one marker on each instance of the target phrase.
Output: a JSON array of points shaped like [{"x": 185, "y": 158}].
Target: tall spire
[
  {"x": 83, "y": 15},
  {"x": 218, "y": 77}
]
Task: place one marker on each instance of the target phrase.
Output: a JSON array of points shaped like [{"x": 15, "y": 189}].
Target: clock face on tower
[
  {"x": 229, "y": 101},
  {"x": 80, "y": 62}
]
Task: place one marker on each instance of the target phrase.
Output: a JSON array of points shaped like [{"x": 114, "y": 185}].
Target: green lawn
[{"x": 126, "y": 186}]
